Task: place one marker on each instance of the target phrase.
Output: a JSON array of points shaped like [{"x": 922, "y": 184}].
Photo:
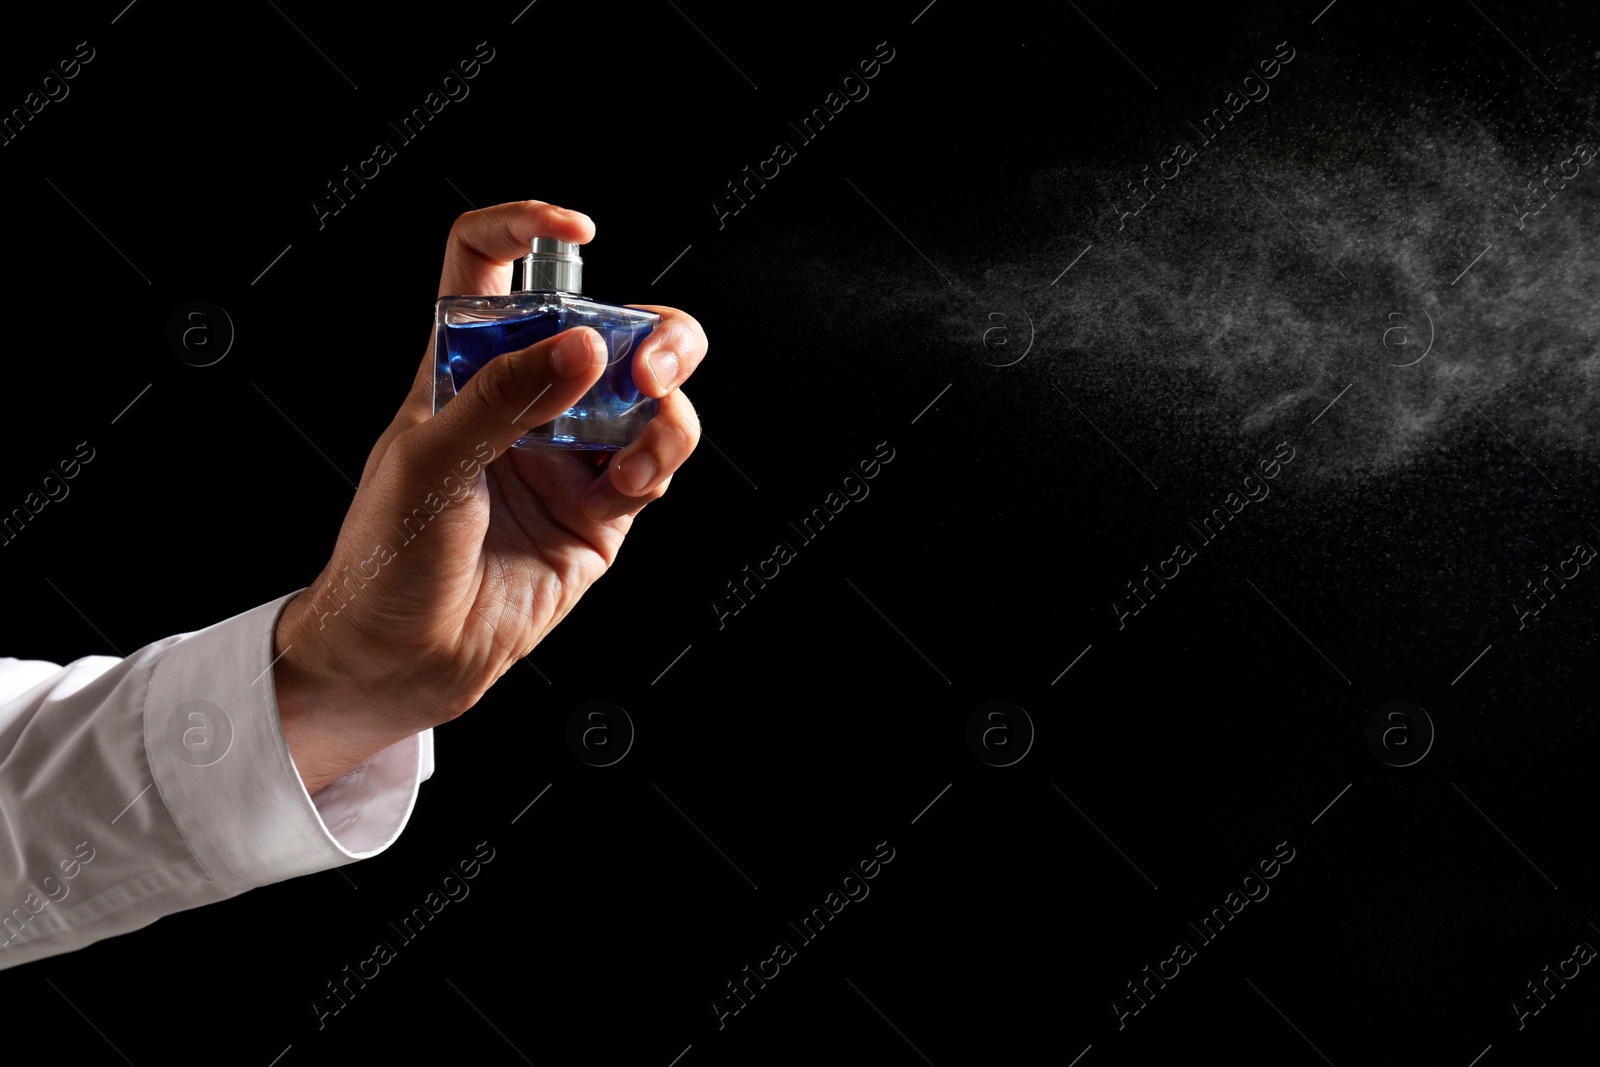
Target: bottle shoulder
[{"x": 462, "y": 310}]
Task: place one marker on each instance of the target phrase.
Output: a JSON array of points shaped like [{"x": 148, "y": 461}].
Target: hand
[{"x": 405, "y": 630}]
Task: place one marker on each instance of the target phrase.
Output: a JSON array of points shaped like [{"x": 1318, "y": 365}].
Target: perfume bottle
[{"x": 472, "y": 330}]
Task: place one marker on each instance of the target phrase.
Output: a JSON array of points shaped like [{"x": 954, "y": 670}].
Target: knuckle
[
  {"x": 699, "y": 333},
  {"x": 693, "y": 333},
  {"x": 689, "y": 425},
  {"x": 679, "y": 436},
  {"x": 404, "y": 450},
  {"x": 686, "y": 336}
]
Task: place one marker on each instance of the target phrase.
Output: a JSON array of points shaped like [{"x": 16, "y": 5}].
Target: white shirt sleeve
[{"x": 134, "y": 788}]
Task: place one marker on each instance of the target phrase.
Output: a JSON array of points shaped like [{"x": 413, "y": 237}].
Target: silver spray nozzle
[{"x": 552, "y": 265}]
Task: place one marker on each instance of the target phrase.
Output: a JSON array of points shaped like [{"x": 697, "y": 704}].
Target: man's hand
[{"x": 404, "y": 630}]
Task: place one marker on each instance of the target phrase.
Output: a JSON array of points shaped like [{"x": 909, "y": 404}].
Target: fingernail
[
  {"x": 664, "y": 365},
  {"x": 574, "y": 356},
  {"x": 594, "y": 503},
  {"x": 635, "y": 472}
]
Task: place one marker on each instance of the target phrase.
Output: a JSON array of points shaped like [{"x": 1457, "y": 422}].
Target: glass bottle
[{"x": 472, "y": 330}]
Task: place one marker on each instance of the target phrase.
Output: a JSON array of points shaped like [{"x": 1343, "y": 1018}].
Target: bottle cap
[{"x": 552, "y": 265}]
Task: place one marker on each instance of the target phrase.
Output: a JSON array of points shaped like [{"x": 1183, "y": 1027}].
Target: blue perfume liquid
[{"x": 474, "y": 330}]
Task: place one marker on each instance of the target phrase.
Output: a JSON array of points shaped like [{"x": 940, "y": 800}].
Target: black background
[{"x": 850, "y": 294}]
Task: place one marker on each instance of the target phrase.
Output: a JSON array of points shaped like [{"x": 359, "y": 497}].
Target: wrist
[{"x": 336, "y": 707}]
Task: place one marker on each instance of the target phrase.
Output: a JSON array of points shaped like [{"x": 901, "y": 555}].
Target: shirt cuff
[{"x": 220, "y": 762}]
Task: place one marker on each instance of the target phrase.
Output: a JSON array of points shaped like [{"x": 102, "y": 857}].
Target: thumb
[{"x": 510, "y": 394}]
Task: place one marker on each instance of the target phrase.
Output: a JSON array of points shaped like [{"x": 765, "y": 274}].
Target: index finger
[{"x": 484, "y": 242}]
